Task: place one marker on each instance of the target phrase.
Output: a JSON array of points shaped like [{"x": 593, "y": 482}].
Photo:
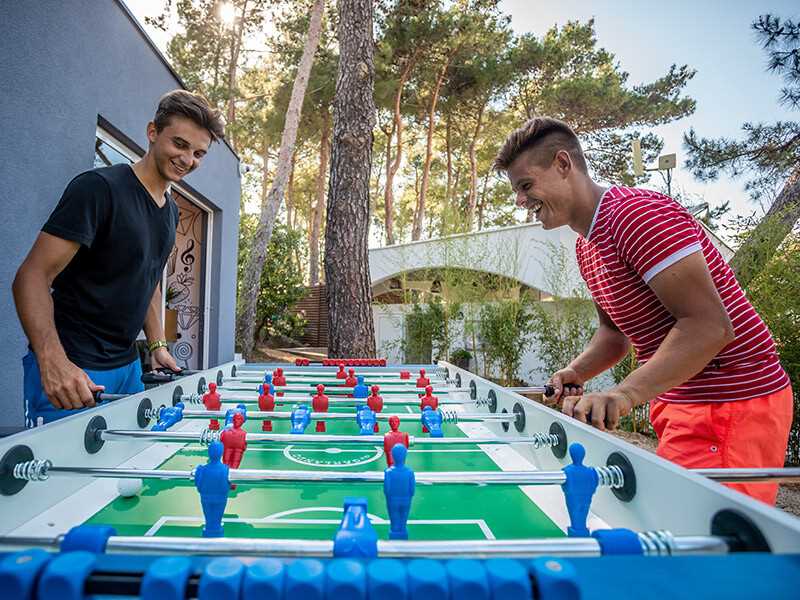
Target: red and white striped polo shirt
[{"x": 635, "y": 234}]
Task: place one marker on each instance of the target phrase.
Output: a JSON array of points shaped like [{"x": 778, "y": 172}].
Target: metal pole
[{"x": 522, "y": 548}]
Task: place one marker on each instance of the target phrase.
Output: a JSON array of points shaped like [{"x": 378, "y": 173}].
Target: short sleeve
[
  {"x": 82, "y": 211},
  {"x": 652, "y": 234}
]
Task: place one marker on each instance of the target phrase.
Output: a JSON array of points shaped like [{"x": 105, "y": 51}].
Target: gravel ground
[{"x": 788, "y": 494}]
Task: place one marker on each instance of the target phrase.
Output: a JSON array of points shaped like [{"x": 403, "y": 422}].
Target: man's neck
[
  {"x": 147, "y": 173},
  {"x": 588, "y": 196}
]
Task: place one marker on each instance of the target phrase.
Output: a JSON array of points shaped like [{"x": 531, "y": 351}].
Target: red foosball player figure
[
  {"x": 422, "y": 381},
  {"x": 278, "y": 378},
  {"x": 351, "y": 380},
  {"x": 266, "y": 401},
  {"x": 234, "y": 440},
  {"x": 405, "y": 375},
  {"x": 390, "y": 438},
  {"x": 319, "y": 403},
  {"x": 212, "y": 401},
  {"x": 340, "y": 374},
  {"x": 375, "y": 403},
  {"x": 428, "y": 400}
]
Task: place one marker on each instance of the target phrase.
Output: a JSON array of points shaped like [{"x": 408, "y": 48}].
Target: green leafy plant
[
  {"x": 460, "y": 357},
  {"x": 460, "y": 354},
  {"x": 429, "y": 330},
  {"x": 505, "y": 327},
  {"x": 281, "y": 284},
  {"x": 775, "y": 294}
]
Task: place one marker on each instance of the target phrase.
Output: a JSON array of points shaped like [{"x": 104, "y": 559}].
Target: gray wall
[{"x": 63, "y": 64}]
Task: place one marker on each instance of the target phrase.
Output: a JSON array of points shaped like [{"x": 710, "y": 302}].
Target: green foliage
[
  {"x": 781, "y": 39},
  {"x": 460, "y": 354},
  {"x": 281, "y": 278},
  {"x": 429, "y": 331},
  {"x": 505, "y": 328},
  {"x": 775, "y": 294},
  {"x": 562, "y": 329},
  {"x": 564, "y": 323}
]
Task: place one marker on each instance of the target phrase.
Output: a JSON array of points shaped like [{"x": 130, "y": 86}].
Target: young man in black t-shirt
[{"x": 102, "y": 253}]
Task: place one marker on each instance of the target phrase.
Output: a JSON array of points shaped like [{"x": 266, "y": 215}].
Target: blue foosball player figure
[
  {"x": 579, "y": 488},
  {"x": 365, "y": 419},
  {"x": 432, "y": 421},
  {"x": 398, "y": 487},
  {"x": 300, "y": 418},
  {"x": 213, "y": 484},
  {"x": 360, "y": 390},
  {"x": 355, "y": 538},
  {"x": 168, "y": 417}
]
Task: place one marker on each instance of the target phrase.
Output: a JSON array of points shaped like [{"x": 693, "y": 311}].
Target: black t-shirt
[{"x": 100, "y": 299}]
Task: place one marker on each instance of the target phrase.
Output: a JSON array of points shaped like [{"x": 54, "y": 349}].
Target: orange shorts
[{"x": 740, "y": 434}]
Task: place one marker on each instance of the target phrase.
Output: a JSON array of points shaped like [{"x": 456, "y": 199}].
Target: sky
[{"x": 713, "y": 37}]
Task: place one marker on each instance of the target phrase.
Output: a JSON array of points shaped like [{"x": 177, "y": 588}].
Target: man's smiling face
[
  {"x": 179, "y": 148},
  {"x": 544, "y": 190}
]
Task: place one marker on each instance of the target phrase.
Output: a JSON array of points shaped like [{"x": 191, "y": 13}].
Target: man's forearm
[
  {"x": 688, "y": 348},
  {"x": 153, "y": 329},
  {"x": 606, "y": 348},
  {"x": 35, "y": 309}
]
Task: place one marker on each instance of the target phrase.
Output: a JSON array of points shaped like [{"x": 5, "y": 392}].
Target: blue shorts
[{"x": 38, "y": 410}]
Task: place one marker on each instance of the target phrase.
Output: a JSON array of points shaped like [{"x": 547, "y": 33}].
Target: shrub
[{"x": 505, "y": 327}]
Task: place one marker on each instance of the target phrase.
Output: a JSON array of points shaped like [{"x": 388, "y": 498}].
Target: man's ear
[
  {"x": 152, "y": 132},
  {"x": 563, "y": 162}
]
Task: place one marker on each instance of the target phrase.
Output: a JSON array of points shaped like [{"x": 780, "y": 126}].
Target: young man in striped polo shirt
[{"x": 707, "y": 362}]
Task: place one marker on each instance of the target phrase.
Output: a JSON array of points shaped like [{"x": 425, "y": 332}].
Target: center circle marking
[{"x": 333, "y": 458}]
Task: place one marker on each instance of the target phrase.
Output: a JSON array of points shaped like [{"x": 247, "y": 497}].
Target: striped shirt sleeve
[{"x": 653, "y": 233}]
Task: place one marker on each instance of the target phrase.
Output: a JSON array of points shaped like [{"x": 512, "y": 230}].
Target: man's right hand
[
  {"x": 66, "y": 385},
  {"x": 566, "y": 383}
]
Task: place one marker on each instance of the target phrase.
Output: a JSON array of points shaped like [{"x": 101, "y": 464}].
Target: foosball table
[{"x": 354, "y": 479}]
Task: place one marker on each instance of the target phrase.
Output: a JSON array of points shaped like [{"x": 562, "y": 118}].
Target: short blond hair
[{"x": 546, "y": 136}]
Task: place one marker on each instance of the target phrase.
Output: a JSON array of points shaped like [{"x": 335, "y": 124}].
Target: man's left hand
[
  {"x": 162, "y": 359},
  {"x": 602, "y": 409}
]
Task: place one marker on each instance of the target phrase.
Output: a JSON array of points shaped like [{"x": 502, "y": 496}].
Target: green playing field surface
[{"x": 313, "y": 510}]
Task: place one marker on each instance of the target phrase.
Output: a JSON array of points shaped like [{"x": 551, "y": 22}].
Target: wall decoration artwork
[{"x": 185, "y": 276}]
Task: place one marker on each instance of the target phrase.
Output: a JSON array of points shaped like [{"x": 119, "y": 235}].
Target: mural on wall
[{"x": 185, "y": 281}]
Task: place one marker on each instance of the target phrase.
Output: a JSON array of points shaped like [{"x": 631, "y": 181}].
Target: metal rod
[
  {"x": 40, "y": 470},
  {"x": 292, "y": 399},
  {"x": 331, "y": 416},
  {"x": 343, "y": 389},
  {"x": 566, "y": 547},
  {"x": 306, "y": 440},
  {"x": 751, "y": 475},
  {"x": 306, "y": 399},
  {"x": 321, "y": 378}
]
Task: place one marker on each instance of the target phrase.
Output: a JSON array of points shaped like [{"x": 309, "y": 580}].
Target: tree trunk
[
  {"x": 449, "y": 152},
  {"x": 482, "y": 203},
  {"x": 763, "y": 241},
  {"x": 246, "y": 320},
  {"x": 236, "y": 46},
  {"x": 473, "y": 171},
  {"x": 350, "y": 327},
  {"x": 265, "y": 172},
  {"x": 290, "y": 208},
  {"x": 419, "y": 213},
  {"x": 392, "y": 168},
  {"x": 316, "y": 220}
]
